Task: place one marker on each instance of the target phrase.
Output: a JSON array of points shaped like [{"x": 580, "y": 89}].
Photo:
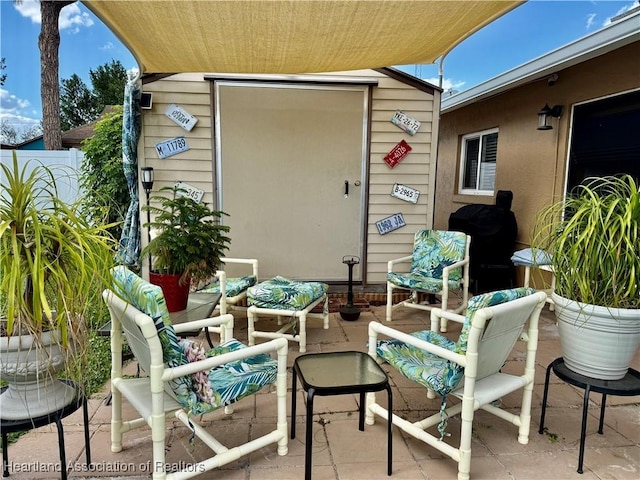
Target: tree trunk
[{"x": 49, "y": 42}]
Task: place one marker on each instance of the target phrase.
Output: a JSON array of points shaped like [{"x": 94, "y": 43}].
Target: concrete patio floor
[{"x": 340, "y": 450}]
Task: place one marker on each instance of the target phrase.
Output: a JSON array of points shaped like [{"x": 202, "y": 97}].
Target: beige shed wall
[
  {"x": 417, "y": 170},
  {"x": 530, "y": 162}
]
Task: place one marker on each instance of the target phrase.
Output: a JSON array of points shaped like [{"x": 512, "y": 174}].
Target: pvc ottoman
[{"x": 286, "y": 298}]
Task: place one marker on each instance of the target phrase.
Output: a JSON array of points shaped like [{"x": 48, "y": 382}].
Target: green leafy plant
[
  {"x": 190, "y": 239},
  {"x": 54, "y": 262},
  {"x": 593, "y": 238}
]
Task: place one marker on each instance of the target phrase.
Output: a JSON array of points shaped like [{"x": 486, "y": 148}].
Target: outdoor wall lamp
[
  {"x": 546, "y": 113},
  {"x": 147, "y": 183}
]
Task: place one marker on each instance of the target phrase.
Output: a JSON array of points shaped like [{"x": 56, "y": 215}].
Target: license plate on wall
[
  {"x": 405, "y": 193},
  {"x": 390, "y": 224},
  {"x": 171, "y": 147},
  {"x": 405, "y": 122}
]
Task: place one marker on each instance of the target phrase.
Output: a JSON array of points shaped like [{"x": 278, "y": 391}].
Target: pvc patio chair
[
  {"x": 468, "y": 369},
  {"x": 233, "y": 290},
  {"x": 183, "y": 380},
  {"x": 439, "y": 263}
]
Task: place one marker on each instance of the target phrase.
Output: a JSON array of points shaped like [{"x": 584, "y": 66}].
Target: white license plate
[
  {"x": 405, "y": 193},
  {"x": 186, "y": 190},
  {"x": 390, "y": 224},
  {"x": 180, "y": 116},
  {"x": 171, "y": 147},
  {"x": 405, "y": 122}
]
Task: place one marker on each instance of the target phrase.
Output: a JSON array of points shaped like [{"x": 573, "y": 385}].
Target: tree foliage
[
  {"x": 77, "y": 104},
  {"x": 80, "y": 105},
  {"x": 102, "y": 173}
]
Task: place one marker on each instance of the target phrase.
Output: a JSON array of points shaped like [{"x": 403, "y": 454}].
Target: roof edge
[{"x": 616, "y": 35}]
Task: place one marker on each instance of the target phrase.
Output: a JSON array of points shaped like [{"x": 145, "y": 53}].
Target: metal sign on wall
[
  {"x": 170, "y": 147},
  {"x": 391, "y": 223},
  {"x": 405, "y": 122},
  {"x": 186, "y": 190},
  {"x": 180, "y": 116},
  {"x": 397, "y": 153},
  {"x": 408, "y": 194}
]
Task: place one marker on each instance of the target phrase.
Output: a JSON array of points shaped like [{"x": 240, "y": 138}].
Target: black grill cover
[{"x": 493, "y": 230}]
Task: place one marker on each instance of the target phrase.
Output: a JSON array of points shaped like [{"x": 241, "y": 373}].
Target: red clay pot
[{"x": 175, "y": 295}]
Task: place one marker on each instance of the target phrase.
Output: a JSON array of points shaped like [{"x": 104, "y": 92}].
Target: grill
[{"x": 493, "y": 230}]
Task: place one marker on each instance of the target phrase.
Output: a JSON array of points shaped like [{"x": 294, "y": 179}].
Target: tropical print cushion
[
  {"x": 419, "y": 281},
  {"x": 433, "y": 250},
  {"x": 233, "y": 286},
  {"x": 432, "y": 371},
  {"x": 283, "y": 294},
  {"x": 227, "y": 383},
  {"x": 149, "y": 299}
]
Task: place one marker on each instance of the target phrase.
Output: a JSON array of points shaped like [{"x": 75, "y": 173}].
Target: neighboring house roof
[
  {"x": 622, "y": 31},
  {"x": 70, "y": 139}
]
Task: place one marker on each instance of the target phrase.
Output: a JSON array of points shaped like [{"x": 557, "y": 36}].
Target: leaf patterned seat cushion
[
  {"x": 283, "y": 294},
  {"x": 433, "y": 250},
  {"x": 432, "y": 371},
  {"x": 228, "y": 383},
  {"x": 201, "y": 392},
  {"x": 234, "y": 286}
]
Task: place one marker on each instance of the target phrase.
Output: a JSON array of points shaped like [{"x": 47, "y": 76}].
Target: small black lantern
[
  {"x": 545, "y": 113},
  {"x": 349, "y": 311}
]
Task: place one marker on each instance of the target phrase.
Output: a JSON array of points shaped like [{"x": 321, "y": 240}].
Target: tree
[
  {"x": 78, "y": 104},
  {"x": 108, "y": 83},
  {"x": 102, "y": 173},
  {"x": 8, "y": 134},
  {"x": 49, "y": 44}
]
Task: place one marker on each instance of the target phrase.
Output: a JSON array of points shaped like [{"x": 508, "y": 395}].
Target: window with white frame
[{"x": 478, "y": 163}]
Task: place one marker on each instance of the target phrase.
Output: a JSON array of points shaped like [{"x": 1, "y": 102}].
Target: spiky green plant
[
  {"x": 54, "y": 263},
  {"x": 594, "y": 238}
]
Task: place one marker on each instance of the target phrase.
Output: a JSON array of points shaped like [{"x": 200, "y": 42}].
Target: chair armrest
[
  {"x": 438, "y": 313},
  {"x": 376, "y": 328},
  {"x": 391, "y": 263},
  {"x": 279, "y": 345},
  {"x": 225, "y": 322},
  {"x": 446, "y": 270}
]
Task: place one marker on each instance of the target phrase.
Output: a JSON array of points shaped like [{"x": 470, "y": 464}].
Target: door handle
[{"x": 346, "y": 189}]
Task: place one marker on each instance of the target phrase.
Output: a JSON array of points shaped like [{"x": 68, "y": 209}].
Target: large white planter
[
  {"x": 597, "y": 342},
  {"x": 29, "y": 367}
]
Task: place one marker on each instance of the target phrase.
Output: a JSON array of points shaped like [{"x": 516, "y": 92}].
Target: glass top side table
[{"x": 337, "y": 373}]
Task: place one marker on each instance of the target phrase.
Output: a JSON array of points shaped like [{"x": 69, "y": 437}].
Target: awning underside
[{"x": 291, "y": 36}]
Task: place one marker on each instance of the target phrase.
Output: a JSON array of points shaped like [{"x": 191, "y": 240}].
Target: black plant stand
[{"x": 349, "y": 311}]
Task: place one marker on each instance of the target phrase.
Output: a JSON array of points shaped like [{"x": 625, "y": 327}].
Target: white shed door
[{"x": 284, "y": 155}]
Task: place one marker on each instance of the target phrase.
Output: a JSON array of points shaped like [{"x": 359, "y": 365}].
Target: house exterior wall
[
  {"x": 531, "y": 163},
  {"x": 197, "y": 165}
]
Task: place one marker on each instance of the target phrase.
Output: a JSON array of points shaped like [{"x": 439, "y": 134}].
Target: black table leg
[
  {"x": 544, "y": 398},
  {"x": 5, "y": 456},
  {"x": 293, "y": 403},
  {"x": 583, "y": 428},
  {"x": 307, "y": 449},
  {"x": 362, "y": 408},
  {"x": 63, "y": 455},
  {"x": 389, "y": 437},
  {"x": 604, "y": 402},
  {"x": 87, "y": 439}
]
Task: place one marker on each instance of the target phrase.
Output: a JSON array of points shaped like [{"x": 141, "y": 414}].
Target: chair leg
[
  {"x": 251, "y": 318},
  {"x": 389, "y": 301},
  {"x": 445, "y": 304},
  {"x": 116, "y": 420}
]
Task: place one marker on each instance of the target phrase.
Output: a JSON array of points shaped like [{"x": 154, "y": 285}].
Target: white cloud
[
  {"x": 448, "y": 85},
  {"x": 17, "y": 111},
  {"x": 70, "y": 17},
  {"x": 107, "y": 46},
  {"x": 590, "y": 20}
]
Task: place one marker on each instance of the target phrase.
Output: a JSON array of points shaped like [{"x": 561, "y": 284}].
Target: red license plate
[{"x": 397, "y": 153}]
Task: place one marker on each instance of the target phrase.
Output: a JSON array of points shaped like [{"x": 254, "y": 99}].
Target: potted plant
[
  {"x": 187, "y": 247},
  {"x": 54, "y": 264},
  {"x": 593, "y": 238}
]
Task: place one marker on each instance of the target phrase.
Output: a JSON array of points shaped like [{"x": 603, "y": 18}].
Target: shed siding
[{"x": 417, "y": 170}]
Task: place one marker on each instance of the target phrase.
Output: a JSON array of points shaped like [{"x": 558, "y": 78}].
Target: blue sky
[{"x": 531, "y": 30}]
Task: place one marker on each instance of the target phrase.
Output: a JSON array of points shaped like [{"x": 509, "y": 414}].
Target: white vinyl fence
[{"x": 65, "y": 165}]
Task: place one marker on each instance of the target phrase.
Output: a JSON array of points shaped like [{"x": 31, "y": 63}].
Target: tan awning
[{"x": 291, "y": 36}]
